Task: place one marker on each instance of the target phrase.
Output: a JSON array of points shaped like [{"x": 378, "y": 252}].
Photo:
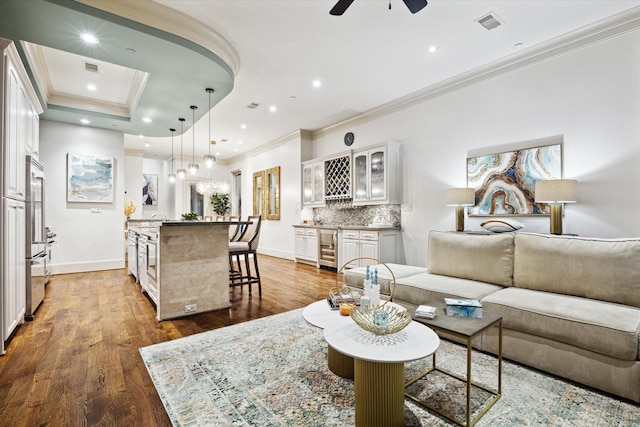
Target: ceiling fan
[{"x": 413, "y": 5}]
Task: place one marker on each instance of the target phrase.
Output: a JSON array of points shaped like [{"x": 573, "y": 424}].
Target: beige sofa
[{"x": 570, "y": 305}]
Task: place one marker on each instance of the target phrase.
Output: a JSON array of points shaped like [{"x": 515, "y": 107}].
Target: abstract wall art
[
  {"x": 149, "y": 189},
  {"x": 504, "y": 182},
  {"x": 89, "y": 178}
]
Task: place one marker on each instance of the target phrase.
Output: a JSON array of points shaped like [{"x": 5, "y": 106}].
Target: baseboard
[
  {"x": 83, "y": 267},
  {"x": 276, "y": 253}
]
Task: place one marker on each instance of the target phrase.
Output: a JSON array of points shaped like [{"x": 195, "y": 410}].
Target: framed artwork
[
  {"x": 149, "y": 189},
  {"x": 504, "y": 183},
  {"x": 89, "y": 178}
]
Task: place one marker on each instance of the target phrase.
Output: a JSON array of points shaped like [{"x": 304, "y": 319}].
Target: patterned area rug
[{"x": 273, "y": 372}]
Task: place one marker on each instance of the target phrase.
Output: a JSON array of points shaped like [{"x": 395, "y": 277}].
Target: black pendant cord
[
  {"x": 173, "y": 160},
  {"x": 193, "y": 143},
  {"x": 181, "y": 141}
]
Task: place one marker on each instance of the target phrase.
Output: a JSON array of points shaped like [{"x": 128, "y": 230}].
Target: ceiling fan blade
[
  {"x": 340, "y": 7},
  {"x": 415, "y": 5}
]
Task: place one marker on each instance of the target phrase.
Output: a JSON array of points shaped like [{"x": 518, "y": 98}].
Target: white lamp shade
[
  {"x": 556, "y": 191},
  {"x": 460, "y": 197}
]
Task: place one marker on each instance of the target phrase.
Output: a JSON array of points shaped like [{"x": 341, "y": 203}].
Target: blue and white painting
[
  {"x": 504, "y": 183},
  {"x": 89, "y": 178}
]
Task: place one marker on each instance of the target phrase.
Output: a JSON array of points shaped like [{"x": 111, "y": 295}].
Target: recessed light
[
  {"x": 146, "y": 120},
  {"x": 273, "y": 109},
  {"x": 517, "y": 44},
  {"x": 89, "y": 38},
  {"x": 131, "y": 50},
  {"x": 217, "y": 153},
  {"x": 92, "y": 88},
  {"x": 140, "y": 136},
  {"x": 433, "y": 49},
  {"x": 243, "y": 126},
  {"x": 84, "y": 121},
  {"x": 147, "y": 144},
  {"x": 240, "y": 142},
  {"x": 316, "y": 83}
]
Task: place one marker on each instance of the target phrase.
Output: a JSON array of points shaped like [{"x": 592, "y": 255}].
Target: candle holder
[{"x": 381, "y": 319}]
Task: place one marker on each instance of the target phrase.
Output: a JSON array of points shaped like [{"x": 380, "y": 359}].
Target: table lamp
[
  {"x": 460, "y": 197},
  {"x": 556, "y": 192}
]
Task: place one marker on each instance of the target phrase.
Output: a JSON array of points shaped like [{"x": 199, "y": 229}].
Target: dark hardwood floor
[{"x": 77, "y": 363}]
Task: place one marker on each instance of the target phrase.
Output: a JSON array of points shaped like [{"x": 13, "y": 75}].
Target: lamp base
[
  {"x": 460, "y": 218},
  {"x": 556, "y": 218}
]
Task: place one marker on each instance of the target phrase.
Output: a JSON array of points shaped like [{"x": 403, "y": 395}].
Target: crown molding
[
  {"x": 613, "y": 26},
  {"x": 297, "y": 135}
]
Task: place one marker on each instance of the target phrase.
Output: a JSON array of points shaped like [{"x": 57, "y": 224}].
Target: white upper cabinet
[
  {"x": 20, "y": 110},
  {"x": 376, "y": 175},
  {"x": 313, "y": 184}
]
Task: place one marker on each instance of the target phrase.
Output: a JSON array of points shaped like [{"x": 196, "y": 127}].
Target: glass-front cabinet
[
  {"x": 375, "y": 175},
  {"x": 313, "y": 184}
]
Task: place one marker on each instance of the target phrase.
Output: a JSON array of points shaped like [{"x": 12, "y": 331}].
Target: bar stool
[{"x": 246, "y": 245}]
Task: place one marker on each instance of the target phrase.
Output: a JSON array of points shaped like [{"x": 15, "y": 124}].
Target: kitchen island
[{"x": 183, "y": 265}]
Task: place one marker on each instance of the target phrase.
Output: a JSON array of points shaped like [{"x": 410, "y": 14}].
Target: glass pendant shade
[
  {"x": 209, "y": 160},
  {"x": 181, "y": 173},
  {"x": 193, "y": 168},
  {"x": 172, "y": 178}
]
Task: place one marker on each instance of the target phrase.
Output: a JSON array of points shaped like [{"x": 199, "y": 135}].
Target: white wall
[
  {"x": 591, "y": 97},
  {"x": 86, "y": 241},
  {"x": 276, "y": 236}
]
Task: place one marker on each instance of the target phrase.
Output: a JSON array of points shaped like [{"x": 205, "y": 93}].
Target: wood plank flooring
[{"x": 77, "y": 363}]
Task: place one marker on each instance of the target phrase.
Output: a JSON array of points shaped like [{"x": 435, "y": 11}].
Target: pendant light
[
  {"x": 181, "y": 172},
  {"x": 209, "y": 160},
  {"x": 172, "y": 176},
  {"x": 193, "y": 166}
]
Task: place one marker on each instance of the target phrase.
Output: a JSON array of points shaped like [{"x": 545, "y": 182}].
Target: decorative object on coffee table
[{"x": 380, "y": 319}]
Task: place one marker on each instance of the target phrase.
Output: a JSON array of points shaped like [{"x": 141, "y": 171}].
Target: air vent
[
  {"x": 253, "y": 105},
  {"x": 92, "y": 68},
  {"x": 490, "y": 21}
]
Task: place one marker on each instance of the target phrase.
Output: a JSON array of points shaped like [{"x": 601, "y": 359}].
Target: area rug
[{"x": 273, "y": 372}]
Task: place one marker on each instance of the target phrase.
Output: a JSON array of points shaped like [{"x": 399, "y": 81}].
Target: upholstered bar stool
[{"x": 246, "y": 246}]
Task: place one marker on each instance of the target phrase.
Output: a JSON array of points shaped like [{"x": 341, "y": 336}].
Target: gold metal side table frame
[{"x": 496, "y": 394}]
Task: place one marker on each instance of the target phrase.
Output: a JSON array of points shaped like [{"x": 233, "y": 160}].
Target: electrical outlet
[{"x": 190, "y": 308}]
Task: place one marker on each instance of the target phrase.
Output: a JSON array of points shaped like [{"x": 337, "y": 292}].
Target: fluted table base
[
  {"x": 339, "y": 363},
  {"x": 379, "y": 391}
]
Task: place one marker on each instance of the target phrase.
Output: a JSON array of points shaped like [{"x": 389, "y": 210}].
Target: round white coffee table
[
  {"x": 379, "y": 367},
  {"x": 320, "y": 314}
]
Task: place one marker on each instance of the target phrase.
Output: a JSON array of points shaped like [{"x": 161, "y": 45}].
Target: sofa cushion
[
  {"x": 425, "y": 287},
  {"x": 483, "y": 257},
  {"x": 601, "y": 269},
  {"x": 354, "y": 277},
  {"x": 603, "y": 327}
]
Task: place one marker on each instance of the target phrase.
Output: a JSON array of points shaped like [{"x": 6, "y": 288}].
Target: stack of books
[
  {"x": 335, "y": 299},
  {"x": 426, "y": 312}
]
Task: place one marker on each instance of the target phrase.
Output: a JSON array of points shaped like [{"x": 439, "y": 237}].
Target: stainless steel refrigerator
[{"x": 36, "y": 248}]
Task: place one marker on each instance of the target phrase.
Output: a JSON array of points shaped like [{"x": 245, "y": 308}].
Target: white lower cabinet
[
  {"x": 306, "y": 245},
  {"x": 14, "y": 280},
  {"x": 383, "y": 245}
]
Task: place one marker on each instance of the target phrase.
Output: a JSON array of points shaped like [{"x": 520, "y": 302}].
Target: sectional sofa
[{"x": 570, "y": 305}]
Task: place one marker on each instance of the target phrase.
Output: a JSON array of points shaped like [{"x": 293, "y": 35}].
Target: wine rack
[{"x": 338, "y": 178}]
